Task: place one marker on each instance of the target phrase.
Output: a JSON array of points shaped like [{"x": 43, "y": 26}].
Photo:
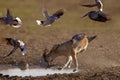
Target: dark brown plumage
[{"x": 59, "y": 13}]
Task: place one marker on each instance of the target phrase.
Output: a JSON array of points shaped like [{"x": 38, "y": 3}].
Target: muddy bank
[{"x": 112, "y": 73}]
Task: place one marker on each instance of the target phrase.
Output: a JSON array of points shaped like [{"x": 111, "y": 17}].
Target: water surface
[{"x": 33, "y": 72}]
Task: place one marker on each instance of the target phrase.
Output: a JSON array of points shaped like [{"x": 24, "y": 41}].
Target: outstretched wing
[
  {"x": 89, "y": 5},
  {"x": 58, "y": 13},
  {"x": 45, "y": 13},
  {"x": 14, "y": 49},
  {"x": 2, "y": 19},
  {"x": 84, "y": 15},
  {"x": 9, "y": 17},
  {"x": 10, "y": 41},
  {"x": 8, "y": 13}
]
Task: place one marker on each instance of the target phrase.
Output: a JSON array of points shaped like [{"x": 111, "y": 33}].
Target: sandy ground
[{"x": 100, "y": 60}]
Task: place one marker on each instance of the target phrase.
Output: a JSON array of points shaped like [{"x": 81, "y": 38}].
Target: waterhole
[{"x": 33, "y": 72}]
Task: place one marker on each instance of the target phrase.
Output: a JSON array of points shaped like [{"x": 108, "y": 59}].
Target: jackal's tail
[{"x": 92, "y": 38}]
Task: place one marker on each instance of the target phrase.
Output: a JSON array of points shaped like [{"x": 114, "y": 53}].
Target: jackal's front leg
[{"x": 75, "y": 62}]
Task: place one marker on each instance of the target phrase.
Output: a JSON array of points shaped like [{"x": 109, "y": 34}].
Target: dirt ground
[{"x": 101, "y": 60}]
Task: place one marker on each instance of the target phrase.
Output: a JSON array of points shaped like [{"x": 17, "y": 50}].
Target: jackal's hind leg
[{"x": 68, "y": 63}]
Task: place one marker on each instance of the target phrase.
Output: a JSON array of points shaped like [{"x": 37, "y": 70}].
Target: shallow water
[{"x": 33, "y": 72}]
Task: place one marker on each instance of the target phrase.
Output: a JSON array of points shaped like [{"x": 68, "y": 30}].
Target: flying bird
[
  {"x": 16, "y": 44},
  {"x": 50, "y": 18},
  {"x": 97, "y": 16},
  {"x": 8, "y": 19}
]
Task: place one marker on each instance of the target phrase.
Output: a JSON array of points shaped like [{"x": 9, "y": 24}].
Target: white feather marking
[
  {"x": 38, "y": 22},
  {"x": 19, "y": 23}
]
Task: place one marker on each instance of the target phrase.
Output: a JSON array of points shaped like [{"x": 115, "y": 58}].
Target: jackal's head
[
  {"x": 49, "y": 56},
  {"x": 78, "y": 37},
  {"x": 46, "y": 58}
]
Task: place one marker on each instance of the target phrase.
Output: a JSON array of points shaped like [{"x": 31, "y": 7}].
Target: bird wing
[
  {"x": 58, "y": 13},
  {"x": 85, "y": 15},
  {"x": 8, "y": 15},
  {"x": 2, "y": 19},
  {"x": 13, "y": 50},
  {"x": 45, "y": 13},
  {"x": 89, "y": 5}
]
